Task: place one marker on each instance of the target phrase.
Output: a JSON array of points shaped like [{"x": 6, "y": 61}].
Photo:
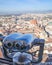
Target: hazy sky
[{"x": 25, "y": 5}]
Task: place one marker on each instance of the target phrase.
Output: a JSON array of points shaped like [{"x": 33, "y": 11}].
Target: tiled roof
[{"x": 33, "y": 21}]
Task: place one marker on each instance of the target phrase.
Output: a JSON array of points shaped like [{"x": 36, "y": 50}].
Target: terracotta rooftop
[
  {"x": 1, "y": 55},
  {"x": 33, "y": 21},
  {"x": 49, "y": 40}
]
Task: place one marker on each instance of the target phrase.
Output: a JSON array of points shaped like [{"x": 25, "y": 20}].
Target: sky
[{"x": 25, "y": 5}]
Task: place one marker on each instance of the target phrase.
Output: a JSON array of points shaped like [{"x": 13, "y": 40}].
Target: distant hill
[{"x": 18, "y": 13}]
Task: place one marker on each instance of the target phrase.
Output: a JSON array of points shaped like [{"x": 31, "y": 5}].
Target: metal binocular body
[{"x": 16, "y": 46}]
